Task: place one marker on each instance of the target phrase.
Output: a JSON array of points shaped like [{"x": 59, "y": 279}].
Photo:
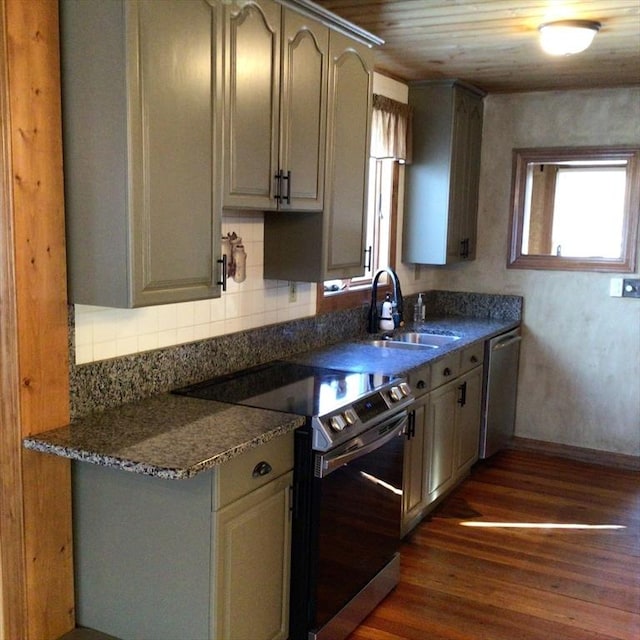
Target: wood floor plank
[{"x": 502, "y": 583}]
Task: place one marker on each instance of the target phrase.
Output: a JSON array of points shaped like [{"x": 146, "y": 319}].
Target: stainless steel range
[{"x": 347, "y": 485}]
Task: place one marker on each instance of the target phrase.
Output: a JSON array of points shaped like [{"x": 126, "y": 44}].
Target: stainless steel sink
[
  {"x": 433, "y": 340},
  {"x": 399, "y": 344},
  {"x": 415, "y": 340}
]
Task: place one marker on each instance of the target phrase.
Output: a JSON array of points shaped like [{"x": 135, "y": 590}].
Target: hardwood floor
[{"x": 516, "y": 583}]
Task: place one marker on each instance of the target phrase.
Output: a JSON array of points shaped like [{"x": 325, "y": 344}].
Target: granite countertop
[
  {"x": 362, "y": 356},
  {"x": 177, "y": 437},
  {"x": 167, "y": 436}
]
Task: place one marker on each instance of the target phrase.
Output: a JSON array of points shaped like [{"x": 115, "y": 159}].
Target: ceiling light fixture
[{"x": 566, "y": 37}]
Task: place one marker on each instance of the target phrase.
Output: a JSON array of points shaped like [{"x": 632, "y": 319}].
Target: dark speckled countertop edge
[
  {"x": 174, "y": 437},
  {"x": 167, "y": 436}
]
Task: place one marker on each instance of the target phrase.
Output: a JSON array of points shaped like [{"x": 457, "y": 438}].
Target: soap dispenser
[
  {"x": 419, "y": 310},
  {"x": 386, "y": 316}
]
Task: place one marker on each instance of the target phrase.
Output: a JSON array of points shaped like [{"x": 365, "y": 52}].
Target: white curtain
[{"x": 390, "y": 129}]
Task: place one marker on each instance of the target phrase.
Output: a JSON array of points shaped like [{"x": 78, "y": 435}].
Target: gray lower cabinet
[
  {"x": 253, "y": 538},
  {"x": 441, "y": 193},
  {"x": 142, "y": 111},
  {"x": 204, "y": 559},
  {"x": 454, "y": 418},
  {"x": 275, "y": 107},
  {"x": 443, "y": 441},
  {"x": 415, "y": 469},
  {"x": 315, "y": 247}
]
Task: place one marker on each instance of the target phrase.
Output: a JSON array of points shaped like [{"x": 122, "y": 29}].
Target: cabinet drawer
[
  {"x": 471, "y": 357},
  {"x": 247, "y": 472},
  {"x": 420, "y": 380},
  {"x": 445, "y": 370}
]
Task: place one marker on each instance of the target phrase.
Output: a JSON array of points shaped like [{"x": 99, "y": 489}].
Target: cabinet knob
[
  {"x": 446, "y": 372},
  {"x": 474, "y": 359},
  {"x": 421, "y": 384},
  {"x": 261, "y": 469}
]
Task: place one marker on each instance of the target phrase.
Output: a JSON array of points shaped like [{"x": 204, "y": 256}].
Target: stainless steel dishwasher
[{"x": 502, "y": 355}]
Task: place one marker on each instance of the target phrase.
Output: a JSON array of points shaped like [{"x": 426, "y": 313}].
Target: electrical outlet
[
  {"x": 631, "y": 288},
  {"x": 293, "y": 292}
]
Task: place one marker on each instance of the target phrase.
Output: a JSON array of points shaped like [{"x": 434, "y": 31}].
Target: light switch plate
[
  {"x": 615, "y": 287},
  {"x": 631, "y": 288}
]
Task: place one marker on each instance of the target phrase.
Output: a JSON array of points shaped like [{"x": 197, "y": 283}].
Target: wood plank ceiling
[{"x": 494, "y": 44}]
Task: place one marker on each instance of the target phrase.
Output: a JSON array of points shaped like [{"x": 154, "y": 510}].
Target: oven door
[{"x": 358, "y": 490}]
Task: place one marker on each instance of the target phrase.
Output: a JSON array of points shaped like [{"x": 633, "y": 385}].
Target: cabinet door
[
  {"x": 253, "y": 545},
  {"x": 303, "y": 111},
  {"x": 252, "y": 91},
  {"x": 415, "y": 470},
  {"x": 141, "y": 134},
  {"x": 442, "y": 408},
  {"x": 468, "y": 416},
  {"x": 348, "y": 126},
  {"x": 442, "y": 181},
  {"x": 173, "y": 159},
  {"x": 474, "y": 145},
  {"x": 465, "y": 171}
]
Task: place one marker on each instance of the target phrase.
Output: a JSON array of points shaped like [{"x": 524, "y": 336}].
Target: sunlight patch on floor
[{"x": 540, "y": 525}]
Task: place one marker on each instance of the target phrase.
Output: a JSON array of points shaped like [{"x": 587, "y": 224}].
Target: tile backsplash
[{"x": 102, "y": 333}]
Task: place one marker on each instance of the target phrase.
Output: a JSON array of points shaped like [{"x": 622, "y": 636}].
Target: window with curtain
[{"x": 390, "y": 130}]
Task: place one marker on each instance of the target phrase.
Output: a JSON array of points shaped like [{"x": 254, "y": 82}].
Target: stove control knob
[
  {"x": 405, "y": 389},
  {"x": 337, "y": 423},
  {"x": 350, "y": 416},
  {"x": 395, "y": 394}
]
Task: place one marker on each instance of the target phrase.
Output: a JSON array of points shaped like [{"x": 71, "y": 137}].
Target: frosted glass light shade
[{"x": 566, "y": 37}]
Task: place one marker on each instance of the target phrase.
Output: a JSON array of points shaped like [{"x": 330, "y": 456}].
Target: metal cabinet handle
[
  {"x": 262, "y": 469},
  {"x": 367, "y": 259},
  {"x": 278, "y": 186},
  {"x": 411, "y": 426},
  {"x": 223, "y": 281},
  {"x": 462, "y": 399},
  {"x": 280, "y": 176},
  {"x": 286, "y": 177}
]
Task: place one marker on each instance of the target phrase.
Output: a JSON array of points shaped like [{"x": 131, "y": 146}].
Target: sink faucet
[{"x": 397, "y": 300}]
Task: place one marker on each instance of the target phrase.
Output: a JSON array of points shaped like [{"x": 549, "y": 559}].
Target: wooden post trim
[
  {"x": 35, "y": 516},
  {"x": 12, "y": 570}
]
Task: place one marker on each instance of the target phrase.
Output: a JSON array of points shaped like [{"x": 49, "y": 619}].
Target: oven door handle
[{"x": 328, "y": 462}]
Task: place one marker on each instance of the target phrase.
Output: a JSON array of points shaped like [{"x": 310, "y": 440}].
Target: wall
[{"x": 580, "y": 362}]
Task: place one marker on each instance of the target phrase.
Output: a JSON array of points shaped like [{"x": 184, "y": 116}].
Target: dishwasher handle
[{"x": 507, "y": 342}]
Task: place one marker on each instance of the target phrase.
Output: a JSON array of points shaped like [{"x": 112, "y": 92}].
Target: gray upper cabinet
[
  {"x": 311, "y": 247},
  {"x": 350, "y": 95},
  {"x": 142, "y": 118},
  {"x": 275, "y": 108},
  {"x": 441, "y": 201}
]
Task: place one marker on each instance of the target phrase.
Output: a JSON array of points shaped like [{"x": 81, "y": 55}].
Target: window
[
  {"x": 575, "y": 209},
  {"x": 389, "y": 131},
  {"x": 582, "y": 194}
]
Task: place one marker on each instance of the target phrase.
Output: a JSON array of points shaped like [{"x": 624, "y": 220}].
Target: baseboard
[
  {"x": 82, "y": 633},
  {"x": 593, "y": 456}
]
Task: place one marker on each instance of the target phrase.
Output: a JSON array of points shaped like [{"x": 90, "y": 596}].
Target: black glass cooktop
[{"x": 289, "y": 387}]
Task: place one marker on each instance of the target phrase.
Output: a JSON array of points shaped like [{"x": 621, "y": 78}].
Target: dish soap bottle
[
  {"x": 419, "y": 310},
  {"x": 386, "y": 316}
]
